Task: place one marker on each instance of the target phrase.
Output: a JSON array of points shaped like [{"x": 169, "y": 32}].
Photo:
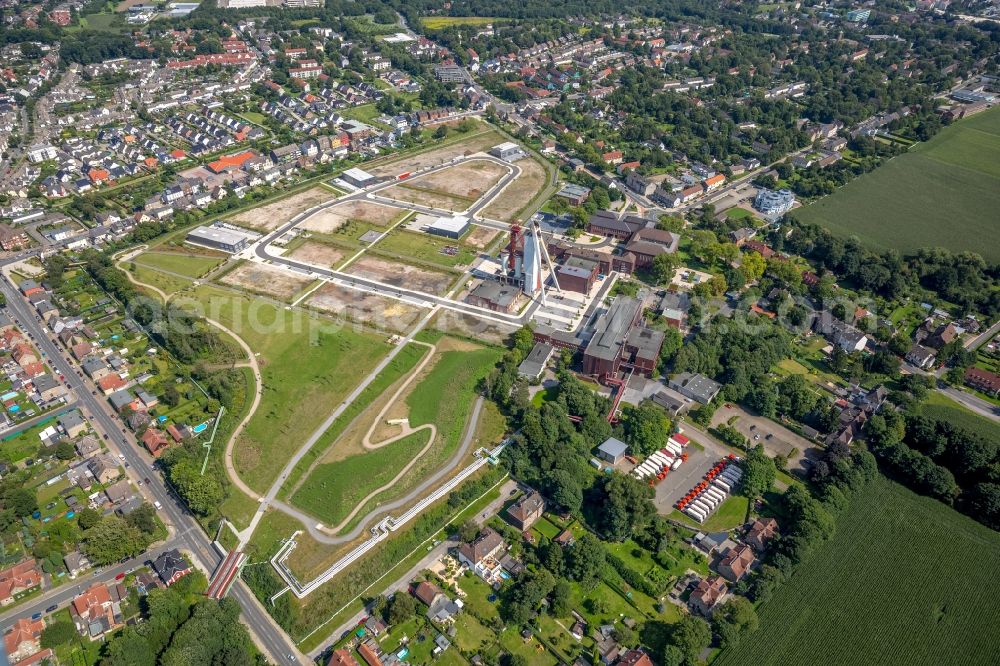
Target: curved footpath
[
  {"x": 316, "y": 530},
  {"x": 324, "y": 535},
  {"x": 251, "y": 362}
]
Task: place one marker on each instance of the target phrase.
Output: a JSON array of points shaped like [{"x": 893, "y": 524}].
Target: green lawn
[
  {"x": 255, "y": 117},
  {"x": 401, "y": 364},
  {"x": 365, "y": 113},
  {"x": 456, "y": 375},
  {"x": 170, "y": 284},
  {"x": 423, "y": 247},
  {"x": 188, "y": 265},
  {"x": 22, "y": 445},
  {"x": 902, "y": 581},
  {"x": 333, "y": 490},
  {"x": 438, "y": 22},
  {"x": 955, "y": 177},
  {"x": 308, "y": 366}
]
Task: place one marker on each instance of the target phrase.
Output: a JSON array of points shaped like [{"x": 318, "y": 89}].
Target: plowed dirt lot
[
  {"x": 401, "y": 275},
  {"x": 376, "y": 311},
  {"x": 273, "y": 215}
]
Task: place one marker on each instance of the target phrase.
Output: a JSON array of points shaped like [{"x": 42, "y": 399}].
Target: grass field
[
  {"x": 904, "y": 580},
  {"x": 308, "y": 366},
  {"x": 403, "y": 362},
  {"x": 333, "y": 489},
  {"x": 168, "y": 283},
  {"x": 188, "y": 265},
  {"x": 945, "y": 192},
  {"x": 438, "y": 22},
  {"x": 424, "y": 248}
]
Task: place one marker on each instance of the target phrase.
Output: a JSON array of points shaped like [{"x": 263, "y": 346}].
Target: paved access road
[{"x": 189, "y": 536}]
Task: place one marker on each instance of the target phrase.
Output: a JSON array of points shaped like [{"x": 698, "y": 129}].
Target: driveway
[{"x": 757, "y": 428}]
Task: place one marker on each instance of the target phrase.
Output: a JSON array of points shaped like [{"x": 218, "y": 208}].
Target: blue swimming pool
[
  {"x": 8, "y": 396},
  {"x": 200, "y": 428}
]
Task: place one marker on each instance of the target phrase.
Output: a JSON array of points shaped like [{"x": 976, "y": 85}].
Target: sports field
[
  {"x": 945, "y": 192},
  {"x": 905, "y": 580}
]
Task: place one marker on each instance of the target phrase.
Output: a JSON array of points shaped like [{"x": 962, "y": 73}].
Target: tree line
[{"x": 940, "y": 459}]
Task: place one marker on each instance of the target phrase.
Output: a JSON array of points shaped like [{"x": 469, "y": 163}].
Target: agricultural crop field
[
  {"x": 945, "y": 192},
  {"x": 939, "y": 406},
  {"x": 905, "y": 579}
]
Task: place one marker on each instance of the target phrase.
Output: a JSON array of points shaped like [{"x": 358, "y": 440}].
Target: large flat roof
[
  {"x": 612, "y": 327},
  {"x": 454, "y": 224},
  {"x": 216, "y": 235},
  {"x": 358, "y": 174}
]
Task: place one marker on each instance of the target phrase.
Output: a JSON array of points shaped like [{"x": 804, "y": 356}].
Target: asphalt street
[{"x": 188, "y": 535}]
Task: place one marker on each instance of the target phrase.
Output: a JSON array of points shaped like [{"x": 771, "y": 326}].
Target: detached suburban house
[
  {"x": 736, "y": 562},
  {"x": 439, "y": 607},
  {"x": 526, "y": 511},
  {"x": 171, "y": 566},
  {"x": 98, "y": 610},
  {"x": 17, "y": 580},
  {"x": 708, "y": 594},
  {"x": 483, "y": 555}
]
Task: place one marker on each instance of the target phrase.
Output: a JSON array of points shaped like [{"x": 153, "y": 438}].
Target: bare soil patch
[
  {"x": 473, "y": 143},
  {"x": 273, "y": 215},
  {"x": 376, "y": 311},
  {"x": 457, "y": 323},
  {"x": 265, "y": 279},
  {"x": 331, "y": 219},
  {"x": 469, "y": 180},
  {"x": 427, "y": 198},
  {"x": 320, "y": 254},
  {"x": 480, "y": 237},
  {"x": 401, "y": 275},
  {"x": 516, "y": 195}
]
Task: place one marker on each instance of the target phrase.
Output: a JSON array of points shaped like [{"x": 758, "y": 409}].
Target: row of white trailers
[
  {"x": 668, "y": 458},
  {"x": 705, "y": 504}
]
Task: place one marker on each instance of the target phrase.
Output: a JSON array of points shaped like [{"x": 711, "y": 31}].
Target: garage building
[{"x": 612, "y": 450}]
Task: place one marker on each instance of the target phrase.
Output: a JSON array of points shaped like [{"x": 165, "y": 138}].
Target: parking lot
[
  {"x": 679, "y": 482},
  {"x": 777, "y": 439}
]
